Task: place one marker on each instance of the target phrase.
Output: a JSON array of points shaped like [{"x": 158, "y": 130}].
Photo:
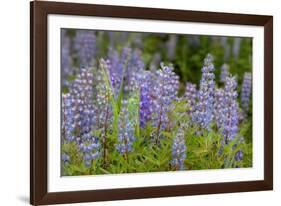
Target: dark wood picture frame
[{"x": 39, "y": 11}]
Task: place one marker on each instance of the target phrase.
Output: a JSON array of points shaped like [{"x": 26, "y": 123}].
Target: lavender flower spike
[
  {"x": 230, "y": 111},
  {"x": 179, "y": 151},
  {"x": 190, "y": 95},
  {"x": 203, "y": 114},
  {"x": 246, "y": 92},
  {"x": 165, "y": 91},
  {"x": 126, "y": 131},
  {"x": 219, "y": 109}
]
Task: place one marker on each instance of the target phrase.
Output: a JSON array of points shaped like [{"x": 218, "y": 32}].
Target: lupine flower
[
  {"x": 65, "y": 158},
  {"x": 203, "y": 114},
  {"x": 89, "y": 147},
  {"x": 224, "y": 73},
  {"x": 126, "y": 130},
  {"x": 171, "y": 46},
  {"x": 165, "y": 91},
  {"x": 246, "y": 92},
  {"x": 104, "y": 92},
  {"x": 78, "y": 115},
  {"x": 238, "y": 156},
  {"x": 78, "y": 109},
  {"x": 178, "y": 151},
  {"x": 219, "y": 108},
  {"x": 85, "y": 46},
  {"x": 230, "y": 111},
  {"x": 82, "y": 92},
  {"x": 146, "y": 83},
  {"x": 68, "y": 114},
  {"x": 134, "y": 67},
  {"x": 190, "y": 95}
]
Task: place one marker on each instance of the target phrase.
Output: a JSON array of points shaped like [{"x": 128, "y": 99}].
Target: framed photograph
[{"x": 131, "y": 102}]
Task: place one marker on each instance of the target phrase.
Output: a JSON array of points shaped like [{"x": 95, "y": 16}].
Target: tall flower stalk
[
  {"x": 190, "y": 95},
  {"x": 179, "y": 151},
  {"x": 230, "y": 110},
  {"x": 246, "y": 92},
  {"x": 126, "y": 135},
  {"x": 165, "y": 91},
  {"x": 203, "y": 114}
]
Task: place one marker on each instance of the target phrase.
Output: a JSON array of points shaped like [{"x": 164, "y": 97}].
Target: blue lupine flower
[
  {"x": 239, "y": 155},
  {"x": 85, "y": 46},
  {"x": 65, "y": 158},
  {"x": 134, "y": 67},
  {"x": 179, "y": 151},
  {"x": 246, "y": 92},
  {"x": 230, "y": 110},
  {"x": 126, "y": 131},
  {"x": 146, "y": 83},
  {"x": 190, "y": 95},
  {"x": 224, "y": 73},
  {"x": 165, "y": 91},
  {"x": 219, "y": 108},
  {"x": 203, "y": 114},
  {"x": 90, "y": 148},
  {"x": 104, "y": 91},
  {"x": 68, "y": 113},
  {"x": 82, "y": 91}
]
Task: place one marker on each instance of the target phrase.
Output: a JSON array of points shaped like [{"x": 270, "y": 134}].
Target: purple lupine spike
[
  {"x": 85, "y": 46},
  {"x": 134, "y": 67},
  {"x": 117, "y": 66},
  {"x": 146, "y": 83},
  {"x": 103, "y": 106},
  {"x": 165, "y": 91},
  {"x": 179, "y": 151},
  {"x": 82, "y": 91},
  {"x": 246, "y": 92},
  {"x": 224, "y": 73},
  {"x": 203, "y": 114},
  {"x": 190, "y": 95},
  {"x": 219, "y": 107},
  {"x": 90, "y": 148},
  {"x": 171, "y": 46},
  {"x": 65, "y": 158},
  {"x": 126, "y": 130},
  {"x": 239, "y": 155},
  {"x": 230, "y": 111},
  {"x": 66, "y": 67},
  {"x": 68, "y": 114},
  {"x": 79, "y": 115}
]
